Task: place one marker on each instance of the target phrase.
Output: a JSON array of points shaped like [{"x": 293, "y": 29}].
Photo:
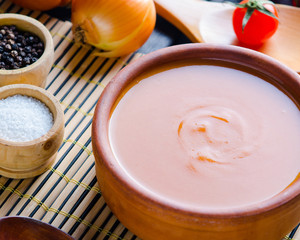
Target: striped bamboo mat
[{"x": 67, "y": 196}]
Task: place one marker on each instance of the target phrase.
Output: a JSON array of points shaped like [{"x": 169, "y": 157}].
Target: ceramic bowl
[
  {"x": 152, "y": 218},
  {"x": 36, "y": 73},
  {"x": 31, "y": 158},
  {"x": 25, "y": 228}
]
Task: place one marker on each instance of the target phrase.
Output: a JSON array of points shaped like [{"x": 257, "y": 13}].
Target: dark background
[{"x": 164, "y": 34}]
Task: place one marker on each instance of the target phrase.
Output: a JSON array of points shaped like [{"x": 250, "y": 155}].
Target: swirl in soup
[{"x": 207, "y": 135}]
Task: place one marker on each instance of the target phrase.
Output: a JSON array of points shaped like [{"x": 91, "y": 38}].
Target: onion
[
  {"x": 41, "y": 5},
  {"x": 117, "y": 27}
]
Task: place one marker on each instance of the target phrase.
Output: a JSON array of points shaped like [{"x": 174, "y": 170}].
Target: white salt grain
[{"x": 23, "y": 118}]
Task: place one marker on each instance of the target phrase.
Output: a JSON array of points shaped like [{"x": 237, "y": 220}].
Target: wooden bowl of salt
[{"x": 31, "y": 130}]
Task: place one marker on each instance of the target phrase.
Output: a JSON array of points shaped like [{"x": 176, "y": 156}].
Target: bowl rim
[
  {"x": 57, "y": 121},
  {"x": 104, "y": 155},
  {"x": 37, "y": 223},
  {"x": 48, "y": 43}
]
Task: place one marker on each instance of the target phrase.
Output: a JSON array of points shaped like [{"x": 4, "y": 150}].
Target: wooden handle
[{"x": 210, "y": 22}]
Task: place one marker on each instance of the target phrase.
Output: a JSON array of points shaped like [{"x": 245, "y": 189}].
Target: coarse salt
[{"x": 23, "y": 118}]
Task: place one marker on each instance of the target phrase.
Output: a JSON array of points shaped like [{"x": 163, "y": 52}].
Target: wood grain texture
[
  {"x": 14, "y": 228},
  {"x": 31, "y": 158},
  {"x": 210, "y": 22},
  {"x": 36, "y": 73},
  {"x": 153, "y": 218}
]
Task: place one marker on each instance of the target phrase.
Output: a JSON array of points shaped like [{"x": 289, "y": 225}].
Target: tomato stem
[{"x": 253, "y": 5}]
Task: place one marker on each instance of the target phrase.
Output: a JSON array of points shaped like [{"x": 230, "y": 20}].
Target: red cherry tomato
[{"x": 259, "y": 27}]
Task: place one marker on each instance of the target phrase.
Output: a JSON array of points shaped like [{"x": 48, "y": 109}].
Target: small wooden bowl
[
  {"x": 31, "y": 158},
  {"x": 25, "y": 228},
  {"x": 151, "y": 217},
  {"x": 36, "y": 73}
]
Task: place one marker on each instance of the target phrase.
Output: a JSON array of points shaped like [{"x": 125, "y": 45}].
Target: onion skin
[
  {"x": 118, "y": 27},
  {"x": 41, "y": 5}
]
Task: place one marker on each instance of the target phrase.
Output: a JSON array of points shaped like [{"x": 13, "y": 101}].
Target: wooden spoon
[
  {"x": 210, "y": 22},
  {"x": 25, "y": 228}
]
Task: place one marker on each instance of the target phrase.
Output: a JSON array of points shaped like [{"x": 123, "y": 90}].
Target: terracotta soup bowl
[{"x": 199, "y": 141}]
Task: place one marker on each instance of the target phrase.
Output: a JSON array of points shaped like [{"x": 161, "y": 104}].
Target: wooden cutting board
[{"x": 210, "y": 22}]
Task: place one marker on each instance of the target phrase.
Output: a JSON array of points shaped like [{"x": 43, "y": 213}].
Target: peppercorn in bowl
[{"x": 26, "y": 50}]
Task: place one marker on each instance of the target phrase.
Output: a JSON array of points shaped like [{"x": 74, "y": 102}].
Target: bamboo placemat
[{"x": 68, "y": 196}]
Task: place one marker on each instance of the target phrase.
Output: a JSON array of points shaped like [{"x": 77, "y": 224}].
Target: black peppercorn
[
  {"x": 14, "y": 53},
  {"x": 35, "y": 54},
  {"x": 34, "y": 59},
  {"x": 26, "y": 60},
  {"x": 3, "y": 57},
  {"x": 40, "y": 45},
  {"x": 36, "y": 40},
  {"x": 10, "y": 41},
  {"x": 15, "y": 65},
  {"x": 19, "y": 59},
  {"x": 14, "y": 46},
  {"x": 11, "y": 36},
  {"x": 24, "y": 43},
  {"x": 39, "y": 52},
  {"x": 18, "y": 48},
  {"x": 20, "y": 38},
  {"x": 10, "y": 60},
  {"x": 30, "y": 39},
  {"x": 7, "y": 47},
  {"x": 27, "y": 49},
  {"x": 22, "y": 53}
]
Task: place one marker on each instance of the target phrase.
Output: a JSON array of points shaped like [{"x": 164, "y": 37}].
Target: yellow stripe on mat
[{"x": 67, "y": 195}]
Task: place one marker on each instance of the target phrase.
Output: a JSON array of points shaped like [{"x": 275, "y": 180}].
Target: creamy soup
[{"x": 207, "y": 136}]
